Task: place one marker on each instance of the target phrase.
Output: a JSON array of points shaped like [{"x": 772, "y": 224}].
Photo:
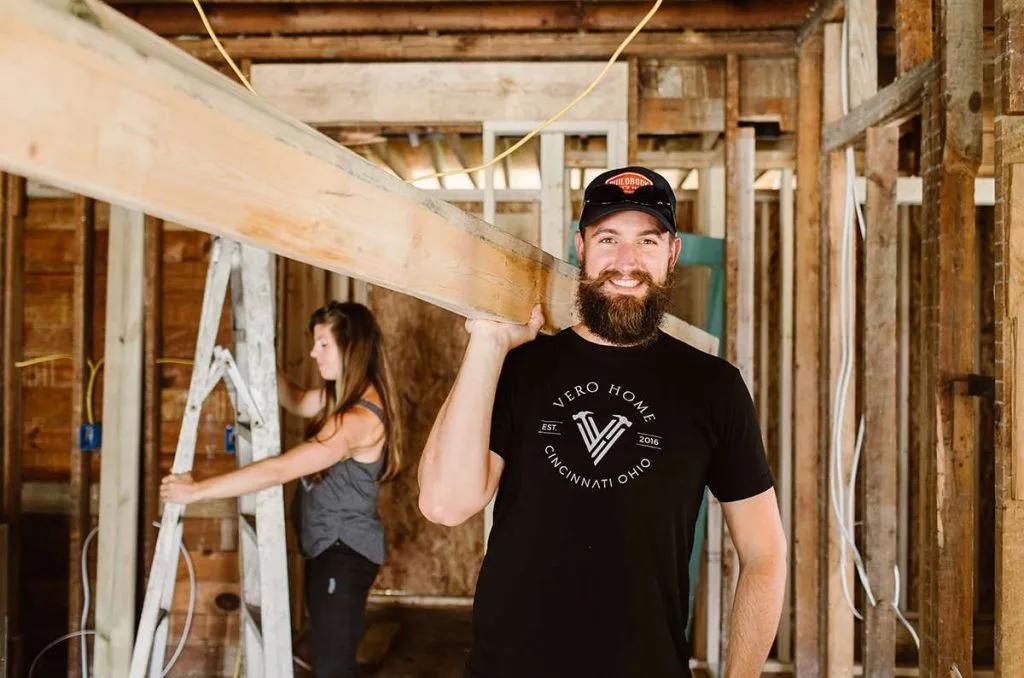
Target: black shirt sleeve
[
  {"x": 502, "y": 422},
  {"x": 738, "y": 468}
]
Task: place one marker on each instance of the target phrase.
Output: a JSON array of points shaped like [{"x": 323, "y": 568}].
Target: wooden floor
[{"x": 430, "y": 643}]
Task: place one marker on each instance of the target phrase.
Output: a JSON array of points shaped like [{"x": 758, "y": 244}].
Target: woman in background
[{"x": 353, "y": 444}]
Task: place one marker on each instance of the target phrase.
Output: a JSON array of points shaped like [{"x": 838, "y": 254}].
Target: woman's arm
[
  {"x": 303, "y": 459},
  {"x": 297, "y": 400}
]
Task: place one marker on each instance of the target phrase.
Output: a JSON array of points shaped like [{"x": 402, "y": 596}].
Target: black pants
[{"x": 338, "y": 583}]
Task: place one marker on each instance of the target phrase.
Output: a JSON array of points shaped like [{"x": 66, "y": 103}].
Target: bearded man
[{"x": 599, "y": 441}]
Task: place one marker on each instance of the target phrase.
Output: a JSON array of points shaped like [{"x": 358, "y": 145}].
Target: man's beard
[{"x": 618, "y": 318}]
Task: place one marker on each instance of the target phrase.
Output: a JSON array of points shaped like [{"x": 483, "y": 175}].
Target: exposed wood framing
[
  {"x": 459, "y": 93},
  {"x": 1009, "y": 296},
  {"x": 808, "y": 498},
  {"x": 952, "y": 160},
  {"x": 825, "y": 11},
  {"x": 735, "y": 331},
  {"x": 895, "y": 103},
  {"x": 695, "y": 159},
  {"x": 913, "y": 34},
  {"x": 294, "y": 192},
  {"x": 119, "y": 469},
  {"x": 554, "y": 198},
  {"x": 862, "y": 50},
  {"x": 880, "y": 401},
  {"x": 633, "y": 109},
  {"x": 417, "y": 17},
  {"x": 787, "y": 226},
  {"x": 80, "y": 464},
  {"x": 839, "y": 644},
  {"x": 493, "y": 46},
  {"x": 14, "y": 208},
  {"x": 153, "y": 332}
]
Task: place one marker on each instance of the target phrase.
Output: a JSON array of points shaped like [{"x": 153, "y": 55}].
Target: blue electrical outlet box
[
  {"x": 90, "y": 437},
  {"x": 230, "y": 439}
]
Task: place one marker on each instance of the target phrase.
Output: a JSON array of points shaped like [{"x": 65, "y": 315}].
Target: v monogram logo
[{"x": 599, "y": 442}]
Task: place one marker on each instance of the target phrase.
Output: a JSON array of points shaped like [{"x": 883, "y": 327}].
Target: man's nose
[{"x": 626, "y": 258}]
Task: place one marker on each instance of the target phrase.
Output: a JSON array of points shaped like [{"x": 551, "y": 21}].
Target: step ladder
[{"x": 250, "y": 376}]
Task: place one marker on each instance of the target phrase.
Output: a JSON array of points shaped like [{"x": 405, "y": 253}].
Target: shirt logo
[{"x": 599, "y": 443}]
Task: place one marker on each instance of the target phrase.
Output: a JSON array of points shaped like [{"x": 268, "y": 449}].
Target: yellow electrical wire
[
  {"x": 508, "y": 151},
  {"x": 94, "y": 370},
  {"x": 220, "y": 47},
  {"x": 44, "y": 359}
]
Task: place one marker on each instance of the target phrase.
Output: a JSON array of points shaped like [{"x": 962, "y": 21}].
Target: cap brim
[{"x": 593, "y": 213}]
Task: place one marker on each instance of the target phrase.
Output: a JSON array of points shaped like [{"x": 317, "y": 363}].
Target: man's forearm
[
  {"x": 454, "y": 466},
  {"x": 755, "y": 617}
]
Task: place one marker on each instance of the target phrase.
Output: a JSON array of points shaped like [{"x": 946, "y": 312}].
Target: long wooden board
[{"x": 156, "y": 131}]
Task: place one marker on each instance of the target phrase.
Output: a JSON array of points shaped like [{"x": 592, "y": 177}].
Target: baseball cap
[{"x": 629, "y": 188}]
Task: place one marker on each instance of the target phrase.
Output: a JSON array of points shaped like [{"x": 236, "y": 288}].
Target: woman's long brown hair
[{"x": 364, "y": 362}]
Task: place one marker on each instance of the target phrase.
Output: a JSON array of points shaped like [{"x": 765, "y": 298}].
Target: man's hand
[{"x": 508, "y": 335}]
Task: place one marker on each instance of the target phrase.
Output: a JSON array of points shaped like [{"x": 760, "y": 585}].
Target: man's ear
[
  {"x": 677, "y": 249},
  {"x": 578, "y": 239}
]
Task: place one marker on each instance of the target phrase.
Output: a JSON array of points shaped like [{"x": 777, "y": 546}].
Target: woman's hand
[{"x": 179, "y": 489}]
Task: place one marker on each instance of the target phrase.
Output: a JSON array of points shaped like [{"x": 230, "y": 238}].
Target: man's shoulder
[
  {"x": 694, "y": 363},
  {"x": 538, "y": 349}
]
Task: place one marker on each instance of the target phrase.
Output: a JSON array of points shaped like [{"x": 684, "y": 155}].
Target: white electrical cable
[
  {"x": 843, "y": 498},
  {"x": 85, "y": 611}
]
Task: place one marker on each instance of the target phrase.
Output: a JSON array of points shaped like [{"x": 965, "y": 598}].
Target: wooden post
[
  {"x": 80, "y": 464},
  {"x": 913, "y": 33},
  {"x": 151, "y": 386},
  {"x": 880, "y": 402},
  {"x": 808, "y": 497},
  {"x": 732, "y": 319},
  {"x": 840, "y": 617},
  {"x": 953, "y": 157},
  {"x": 785, "y": 414},
  {"x": 13, "y": 326},
  {"x": 119, "y": 487},
  {"x": 1009, "y": 297},
  {"x": 554, "y": 195},
  {"x": 633, "y": 111}
]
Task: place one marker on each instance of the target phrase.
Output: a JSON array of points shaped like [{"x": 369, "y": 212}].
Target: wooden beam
[
  {"x": 459, "y": 93},
  {"x": 80, "y": 464},
  {"x": 951, "y": 164},
  {"x": 455, "y": 144},
  {"x": 290, "y": 190},
  {"x": 893, "y": 104},
  {"x": 633, "y": 110},
  {"x": 15, "y": 205},
  {"x": 839, "y": 643},
  {"x": 825, "y": 11},
  {"x": 436, "y": 151},
  {"x": 153, "y": 328},
  {"x": 787, "y": 227},
  {"x": 695, "y": 159},
  {"x": 862, "y": 51},
  {"x": 554, "y": 197},
  {"x": 880, "y": 399},
  {"x": 493, "y": 46},
  {"x": 735, "y": 331},
  {"x": 119, "y": 463},
  {"x": 417, "y": 17},
  {"x": 913, "y": 34},
  {"x": 1009, "y": 298},
  {"x": 808, "y": 498}
]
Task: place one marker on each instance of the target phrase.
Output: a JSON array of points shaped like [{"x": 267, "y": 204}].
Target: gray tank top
[{"x": 342, "y": 506}]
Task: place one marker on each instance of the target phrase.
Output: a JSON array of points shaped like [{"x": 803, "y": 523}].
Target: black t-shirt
[{"x": 607, "y": 452}]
